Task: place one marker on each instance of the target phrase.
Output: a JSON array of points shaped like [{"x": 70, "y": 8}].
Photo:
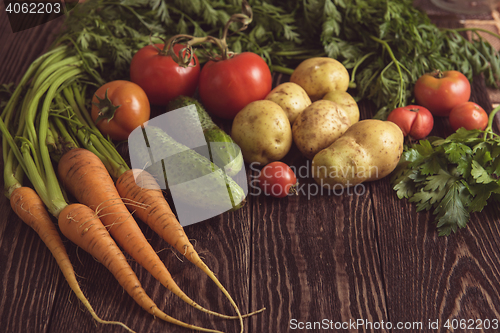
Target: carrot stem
[{"x": 57, "y": 202}]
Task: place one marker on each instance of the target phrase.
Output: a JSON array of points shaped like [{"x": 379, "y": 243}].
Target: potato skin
[
  {"x": 318, "y": 126},
  {"x": 346, "y": 101},
  {"x": 319, "y": 75},
  {"x": 263, "y": 132},
  {"x": 369, "y": 150},
  {"x": 292, "y": 98}
]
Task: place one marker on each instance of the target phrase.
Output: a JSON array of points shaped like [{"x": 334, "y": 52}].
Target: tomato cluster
[
  {"x": 441, "y": 94},
  {"x": 225, "y": 85},
  {"x": 158, "y": 76}
]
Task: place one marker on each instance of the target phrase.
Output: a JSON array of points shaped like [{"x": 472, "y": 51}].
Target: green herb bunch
[
  {"x": 108, "y": 33},
  {"x": 386, "y": 44},
  {"x": 454, "y": 176}
]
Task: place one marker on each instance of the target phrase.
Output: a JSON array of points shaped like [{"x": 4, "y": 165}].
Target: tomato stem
[
  {"x": 106, "y": 108},
  {"x": 245, "y": 18},
  {"x": 438, "y": 74},
  {"x": 186, "y": 55}
]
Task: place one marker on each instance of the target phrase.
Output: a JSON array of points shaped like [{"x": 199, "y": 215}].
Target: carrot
[
  {"x": 40, "y": 95},
  {"x": 82, "y": 226},
  {"x": 141, "y": 188},
  {"x": 85, "y": 176},
  {"x": 28, "y": 204},
  {"x": 150, "y": 206},
  {"x": 31, "y": 210}
]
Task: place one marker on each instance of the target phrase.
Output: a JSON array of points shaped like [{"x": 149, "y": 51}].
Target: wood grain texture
[
  {"x": 317, "y": 256},
  {"x": 438, "y": 278}
]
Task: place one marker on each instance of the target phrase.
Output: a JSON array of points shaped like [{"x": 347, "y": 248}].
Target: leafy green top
[{"x": 386, "y": 44}]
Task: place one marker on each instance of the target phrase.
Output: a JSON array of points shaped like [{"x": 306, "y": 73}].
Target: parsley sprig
[{"x": 452, "y": 176}]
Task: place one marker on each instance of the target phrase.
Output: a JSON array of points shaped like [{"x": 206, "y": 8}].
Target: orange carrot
[
  {"x": 141, "y": 188},
  {"x": 82, "y": 226},
  {"x": 29, "y": 207},
  {"x": 85, "y": 176}
]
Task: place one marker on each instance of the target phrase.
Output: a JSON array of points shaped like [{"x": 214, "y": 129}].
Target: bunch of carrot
[{"x": 50, "y": 123}]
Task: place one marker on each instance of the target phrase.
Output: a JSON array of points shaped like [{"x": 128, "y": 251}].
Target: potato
[
  {"x": 318, "y": 126},
  {"x": 367, "y": 151},
  {"x": 263, "y": 132},
  {"x": 346, "y": 101},
  {"x": 292, "y": 98},
  {"x": 319, "y": 75}
]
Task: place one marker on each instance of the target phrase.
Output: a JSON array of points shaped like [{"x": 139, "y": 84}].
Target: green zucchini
[
  {"x": 188, "y": 175},
  {"x": 224, "y": 152}
]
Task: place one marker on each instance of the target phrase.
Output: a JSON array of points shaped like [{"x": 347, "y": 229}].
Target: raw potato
[
  {"x": 292, "y": 98},
  {"x": 318, "y": 126},
  {"x": 263, "y": 132},
  {"x": 368, "y": 150},
  {"x": 320, "y": 75},
  {"x": 346, "y": 101}
]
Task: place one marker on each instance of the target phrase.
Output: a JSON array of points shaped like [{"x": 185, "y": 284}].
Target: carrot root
[
  {"x": 85, "y": 176},
  {"x": 29, "y": 207},
  {"x": 82, "y": 226},
  {"x": 150, "y": 206}
]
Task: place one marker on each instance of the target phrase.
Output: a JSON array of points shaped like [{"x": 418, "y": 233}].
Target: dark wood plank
[
  {"x": 20, "y": 49},
  {"x": 434, "y": 277},
  {"x": 315, "y": 256},
  {"x": 29, "y": 276},
  {"x": 330, "y": 256}
]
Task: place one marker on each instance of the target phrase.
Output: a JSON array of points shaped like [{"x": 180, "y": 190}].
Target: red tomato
[
  {"x": 118, "y": 107},
  {"x": 161, "y": 77},
  {"x": 440, "y": 91},
  {"x": 277, "y": 179},
  {"x": 227, "y": 86},
  {"x": 468, "y": 115},
  {"x": 415, "y": 121}
]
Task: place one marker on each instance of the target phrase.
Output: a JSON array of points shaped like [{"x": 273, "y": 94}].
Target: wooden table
[{"x": 338, "y": 259}]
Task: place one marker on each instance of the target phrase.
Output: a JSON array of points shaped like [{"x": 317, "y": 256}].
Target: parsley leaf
[
  {"x": 451, "y": 213},
  {"x": 480, "y": 174}
]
